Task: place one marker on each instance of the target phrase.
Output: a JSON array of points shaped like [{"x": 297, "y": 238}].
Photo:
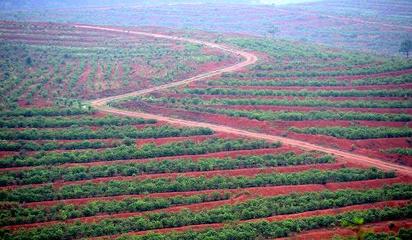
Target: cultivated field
[
  {"x": 354, "y": 102},
  {"x": 70, "y": 170}
]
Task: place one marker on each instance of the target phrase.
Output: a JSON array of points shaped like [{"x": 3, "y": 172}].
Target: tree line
[
  {"x": 182, "y": 183},
  {"x": 303, "y": 82},
  {"x": 18, "y": 214},
  {"x": 52, "y": 145},
  {"x": 51, "y": 174},
  {"x": 304, "y": 116},
  {"x": 307, "y": 102},
  {"x": 124, "y": 152},
  {"x": 103, "y": 133},
  {"x": 401, "y": 151},
  {"x": 357, "y": 132},
  {"x": 46, "y": 122},
  {"x": 30, "y": 112},
  {"x": 301, "y": 93}
]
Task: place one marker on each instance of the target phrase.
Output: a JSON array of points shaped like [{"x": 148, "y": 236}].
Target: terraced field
[
  {"x": 74, "y": 172},
  {"x": 350, "y": 101}
]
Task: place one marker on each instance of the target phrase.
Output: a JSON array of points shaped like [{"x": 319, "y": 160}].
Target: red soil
[{"x": 197, "y": 139}]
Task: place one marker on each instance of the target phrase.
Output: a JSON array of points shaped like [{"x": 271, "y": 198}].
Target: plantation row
[
  {"x": 301, "y": 93},
  {"x": 17, "y": 214},
  {"x": 42, "y": 122},
  {"x": 104, "y": 133},
  {"x": 305, "y": 116},
  {"x": 131, "y": 152},
  {"x": 269, "y": 230},
  {"x": 389, "y": 66},
  {"x": 180, "y": 184},
  {"x": 357, "y": 132},
  {"x": 402, "y": 234},
  {"x": 46, "y": 112},
  {"x": 307, "y": 102},
  {"x": 403, "y": 79},
  {"x": 51, "y": 145},
  {"x": 401, "y": 151},
  {"x": 257, "y": 208},
  {"x": 49, "y": 174}
]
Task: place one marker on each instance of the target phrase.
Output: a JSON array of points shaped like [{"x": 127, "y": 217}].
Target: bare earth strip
[{"x": 249, "y": 59}]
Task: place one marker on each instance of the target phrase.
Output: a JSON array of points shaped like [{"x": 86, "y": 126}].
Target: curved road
[{"x": 249, "y": 59}]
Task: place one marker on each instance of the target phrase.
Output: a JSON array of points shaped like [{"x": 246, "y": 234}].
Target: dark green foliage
[
  {"x": 112, "y": 188},
  {"x": 46, "y": 112},
  {"x": 44, "y": 175},
  {"x": 104, "y": 133},
  {"x": 357, "y": 132},
  {"x": 124, "y": 152},
  {"x": 307, "y": 102},
  {"x": 46, "y": 122},
  {"x": 401, "y": 151},
  {"x": 51, "y": 145},
  {"x": 304, "y": 116},
  {"x": 13, "y": 213},
  {"x": 301, "y": 93},
  {"x": 407, "y": 78}
]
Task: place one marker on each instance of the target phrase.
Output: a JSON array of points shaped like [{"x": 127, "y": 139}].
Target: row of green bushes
[
  {"x": 280, "y": 83},
  {"x": 131, "y": 152},
  {"x": 403, "y": 79},
  {"x": 51, "y": 174},
  {"x": 301, "y": 93},
  {"x": 103, "y": 133},
  {"x": 180, "y": 184},
  {"x": 402, "y": 234},
  {"x": 52, "y": 145},
  {"x": 304, "y": 116},
  {"x": 307, "y": 102},
  {"x": 14, "y": 213},
  {"x": 43, "y": 122},
  {"x": 29, "y": 112},
  {"x": 357, "y": 132},
  {"x": 401, "y": 151}
]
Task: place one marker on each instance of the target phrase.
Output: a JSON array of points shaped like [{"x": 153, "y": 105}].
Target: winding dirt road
[{"x": 249, "y": 59}]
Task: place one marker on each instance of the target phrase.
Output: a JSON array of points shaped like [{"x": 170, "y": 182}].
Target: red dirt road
[{"x": 249, "y": 59}]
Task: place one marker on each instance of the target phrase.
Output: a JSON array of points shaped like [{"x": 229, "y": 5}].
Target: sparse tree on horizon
[{"x": 406, "y": 47}]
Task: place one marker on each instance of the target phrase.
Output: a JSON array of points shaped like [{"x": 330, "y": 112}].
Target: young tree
[{"x": 406, "y": 47}]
